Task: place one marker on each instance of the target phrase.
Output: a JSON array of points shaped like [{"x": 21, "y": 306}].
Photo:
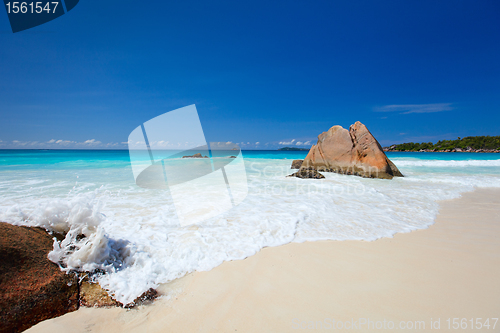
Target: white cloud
[
  {"x": 295, "y": 142},
  {"x": 159, "y": 144},
  {"x": 415, "y": 108},
  {"x": 92, "y": 142},
  {"x": 113, "y": 144},
  {"x": 18, "y": 143},
  {"x": 287, "y": 143},
  {"x": 66, "y": 144}
]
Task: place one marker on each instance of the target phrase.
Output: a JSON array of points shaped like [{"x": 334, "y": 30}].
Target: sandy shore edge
[{"x": 450, "y": 270}]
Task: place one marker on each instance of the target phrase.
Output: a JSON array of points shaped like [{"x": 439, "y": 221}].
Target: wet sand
[{"x": 451, "y": 270}]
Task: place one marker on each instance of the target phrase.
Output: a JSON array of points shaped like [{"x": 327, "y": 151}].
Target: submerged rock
[
  {"x": 296, "y": 164},
  {"x": 197, "y": 155},
  {"x": 352, "y": 152},
  {"x": 32, "y": 288},
  {"x": 307, "y": 173}
]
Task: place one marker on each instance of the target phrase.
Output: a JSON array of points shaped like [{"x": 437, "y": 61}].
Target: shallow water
[{"x": 133, "y": 234}]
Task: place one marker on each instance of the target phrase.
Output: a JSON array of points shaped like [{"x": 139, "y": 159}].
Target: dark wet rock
[
  {"x": 32, "y": 288},
  {"x": 147, "y": 296},
  {"x": 307, "y": 173},
  {"x": 296, "y": 164},
  {"x": 394, "y": 169}
]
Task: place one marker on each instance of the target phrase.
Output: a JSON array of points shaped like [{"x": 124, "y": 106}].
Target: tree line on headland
[
  {"x": 476, "y": 144},
  {"x": 292, "y": 149}
]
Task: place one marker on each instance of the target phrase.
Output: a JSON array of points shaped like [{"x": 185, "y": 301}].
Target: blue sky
[{"x": 258, "y": 71}]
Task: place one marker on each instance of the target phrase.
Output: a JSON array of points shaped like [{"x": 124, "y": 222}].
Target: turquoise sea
[{"x": 133, "y": 235}]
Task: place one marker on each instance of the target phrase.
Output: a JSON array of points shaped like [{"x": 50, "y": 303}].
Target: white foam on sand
[{"x": 133, "y": 235}]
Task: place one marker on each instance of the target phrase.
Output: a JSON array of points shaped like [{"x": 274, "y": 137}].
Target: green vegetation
[
  {"x": 293, "y": 148},
  {"x": 475, "y": 142}
]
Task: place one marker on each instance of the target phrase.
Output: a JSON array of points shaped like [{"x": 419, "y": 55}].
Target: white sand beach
[{"x": 450, "y": 270}]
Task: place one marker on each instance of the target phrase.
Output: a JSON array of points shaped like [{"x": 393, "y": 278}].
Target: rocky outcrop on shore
[
  {"x": 32, "y": 288},
  {"x": 93, "y": 295},
  {"x": 351, "y": 152}
]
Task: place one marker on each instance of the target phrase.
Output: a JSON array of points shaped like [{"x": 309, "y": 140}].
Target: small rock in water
[
  {"x": 197, "y": 155},
  {"x": 307, "y": 173},
  {"x": 296, "y": 164}
]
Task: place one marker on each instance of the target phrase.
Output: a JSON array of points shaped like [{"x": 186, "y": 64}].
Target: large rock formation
[
  {"x": 353, "y": 152},
  {"x": 32, "y": 288}
]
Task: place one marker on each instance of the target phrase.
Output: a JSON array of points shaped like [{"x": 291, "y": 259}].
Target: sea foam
[{"x": 133, "y": 237}]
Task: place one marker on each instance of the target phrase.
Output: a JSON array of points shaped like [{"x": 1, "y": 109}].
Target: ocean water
[{"x": 133, "y": 237}]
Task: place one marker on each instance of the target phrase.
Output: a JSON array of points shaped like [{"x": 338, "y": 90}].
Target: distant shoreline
[
  {"x": 470, "y": 144},
  {"x": 443, "y": 151},
  {"x": 293, "y": 149}
]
